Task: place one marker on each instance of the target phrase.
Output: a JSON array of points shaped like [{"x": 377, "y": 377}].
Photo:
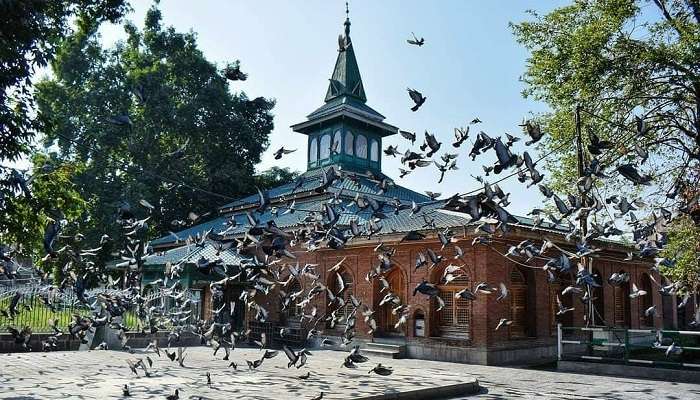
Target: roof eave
[{"x": 385, "y": 129}]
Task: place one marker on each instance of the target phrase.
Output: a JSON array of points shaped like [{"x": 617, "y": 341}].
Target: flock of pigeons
[{"x": 267, "y": 248}]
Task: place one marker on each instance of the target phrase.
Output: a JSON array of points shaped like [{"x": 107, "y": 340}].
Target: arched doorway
[
  {"x": 622, "y": 315},
  {"x": 397, "y": 285}
]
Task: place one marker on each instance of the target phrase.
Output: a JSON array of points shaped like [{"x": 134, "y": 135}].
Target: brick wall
[{"x": 482, "y": 264}]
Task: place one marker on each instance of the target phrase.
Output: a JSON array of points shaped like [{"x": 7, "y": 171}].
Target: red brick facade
[{"x": 472, "y": 337}]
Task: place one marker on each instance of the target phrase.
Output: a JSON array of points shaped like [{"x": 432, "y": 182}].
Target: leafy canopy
[
  {"x": 30, "y": 33},
  {"x": 151, "y": 118},
  {"x": 618, "y": 59}
]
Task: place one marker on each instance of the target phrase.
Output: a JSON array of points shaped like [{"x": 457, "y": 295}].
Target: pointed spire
[
  {"x": 346, "y": 79},
  {"x": 347, "y": 22}
]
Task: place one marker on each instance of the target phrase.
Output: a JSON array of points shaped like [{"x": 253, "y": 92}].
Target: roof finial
[{"x": 347, "y": 20}]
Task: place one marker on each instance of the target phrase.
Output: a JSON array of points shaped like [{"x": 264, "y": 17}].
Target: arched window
[
  {"x": 645, "y": 301},
  {"x": 361, "y": 146},
  {"x": 325, "y": 149},
  {"x": 344, "y": 307},
  {"x": 454, "y": 320},
  {"x": 313, "y": 150},
  {"x": 290, "y": 302},
  {"x": 336, "y": 142},
  {"x": 374, "y": 151},
  {"x": 622, "y": 305},
  {"x": 349, "y": 143},
  {"x": 518, "y": 304}
]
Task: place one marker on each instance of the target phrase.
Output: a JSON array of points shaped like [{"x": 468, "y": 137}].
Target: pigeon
[
  {"x": 411, "y": 136},
  {"x": 533, "y": 130},
  {"x": 381, "y": 370},
  {"x": 630, "y": 172},
  {"x": 417, "y": 98},
  {"x": 415, "y": 41},
  {"x": 503, "y": 322},
  {"x": 174, "y": 396},
  {"x": 636, "y": 292},
  {"x": 282, "y": 151}
]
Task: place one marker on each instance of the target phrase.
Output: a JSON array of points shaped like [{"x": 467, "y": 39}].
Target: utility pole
[{"x": 583, "y": 216}]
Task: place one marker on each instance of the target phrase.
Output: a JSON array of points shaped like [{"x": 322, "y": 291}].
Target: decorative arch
[
  {"x": 645, "y": 301},
  {"x": 454, "y": 320},
  {"x": 325, "y": 147},
  {"x": 313, "y": 150},
  {"x": 349, "y": 143},
  {"x": 374, "y": 151},
  {"x": 622, "y": 315},
  {"x": 361, "y": 146}
]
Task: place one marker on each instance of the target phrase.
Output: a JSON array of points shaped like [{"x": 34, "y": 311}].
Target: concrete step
[
  {"x": 381, "y": 353},
  {"x": 384, "y": 346},
  {"x": 384, "y": 350}
]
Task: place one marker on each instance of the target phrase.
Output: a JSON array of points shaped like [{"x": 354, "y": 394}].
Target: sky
[{"x": 469, "y": 67}]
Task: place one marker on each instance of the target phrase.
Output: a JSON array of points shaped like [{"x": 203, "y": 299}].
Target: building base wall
[{"x": 630, "y": 371}]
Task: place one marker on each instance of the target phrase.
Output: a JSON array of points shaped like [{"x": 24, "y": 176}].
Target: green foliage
[
  {"x": 617, "y": 59},
  {"x": 52, "y": 194},
  {"x": 30, "y": 32},
  {"x": 275, "y": 176},
  {"x": 175, "y": 100},
  {"x": 684, "y": 247}
]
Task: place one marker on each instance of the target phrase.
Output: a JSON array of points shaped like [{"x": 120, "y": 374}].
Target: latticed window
[
  {"x": 455, "y": 317},
  {"x": 622, "y": 306},
  {"x": 518, "y": 304},
  {"x": 293, "y": 309}
]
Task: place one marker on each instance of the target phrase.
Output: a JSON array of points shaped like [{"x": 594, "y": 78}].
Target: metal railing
[
  {"x": 32, "y": 309},
  {"x": 644, "y": 347}
]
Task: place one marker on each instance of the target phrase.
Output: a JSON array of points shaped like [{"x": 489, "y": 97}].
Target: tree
[
  {"x": 30, "y": 32},
  {"x": 33, "y": 199},
  {"x": 618, "y": 59},
  {"x": 684, "y": 248},
  {"x": 151, "y": 119},
  {"x": 275, "y": 176}
]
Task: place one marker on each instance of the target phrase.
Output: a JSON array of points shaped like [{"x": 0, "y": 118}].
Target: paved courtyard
[{"x": 101, "y": 374}]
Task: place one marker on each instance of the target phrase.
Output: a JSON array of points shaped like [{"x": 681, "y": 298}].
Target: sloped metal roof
[{"x": 192, "y": 253}]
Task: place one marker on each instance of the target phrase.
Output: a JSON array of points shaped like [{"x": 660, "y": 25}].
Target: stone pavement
[{"x": 101, "y": 374}]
